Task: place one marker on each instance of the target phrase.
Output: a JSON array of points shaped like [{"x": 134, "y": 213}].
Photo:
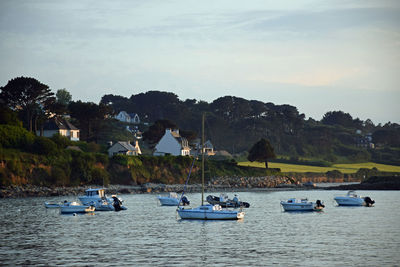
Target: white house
[
  {"x": 173, "y": 144},
  {"x": 60, "y": 126},
  {"x": 129, "y": 118},
  {"x": 124, "y": 148}
]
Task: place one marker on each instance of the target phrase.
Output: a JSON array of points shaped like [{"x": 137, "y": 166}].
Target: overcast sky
[{"x": 316, "y": 55}]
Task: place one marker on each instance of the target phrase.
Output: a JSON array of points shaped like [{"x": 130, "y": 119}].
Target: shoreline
[
  {"x": 37, "y": 191},
  {"x": 373, "y": 183}
]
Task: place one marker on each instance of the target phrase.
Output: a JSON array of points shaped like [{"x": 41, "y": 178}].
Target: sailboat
[{"x": 208, "y": 211}]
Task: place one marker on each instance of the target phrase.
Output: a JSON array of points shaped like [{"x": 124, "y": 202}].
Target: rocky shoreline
[
  {"x": 220, "y": 184},
  {"x": 214, "y": 185}
]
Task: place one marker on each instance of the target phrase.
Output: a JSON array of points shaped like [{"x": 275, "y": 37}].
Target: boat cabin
[
  {"x": 296, "y": 200},
  {"x": 95, "y": 192},
  {"x": 210, "y": 207}
]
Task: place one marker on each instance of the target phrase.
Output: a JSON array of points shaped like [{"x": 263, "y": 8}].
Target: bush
[
  {"x": 15, "y": 137},
  {"x": 100, "y": 177},
  {"x": 40, "y": 176},
  {"x": 44, "y": 146},
  {"x": 102, "y": 158},
  {"x": 334, "y": 174},
  {"x": 81, "y": 166},
  {"x": 365, "y": 173},
  {"x": 59, "y": 176},
  {"x": 61, "y": 141}
]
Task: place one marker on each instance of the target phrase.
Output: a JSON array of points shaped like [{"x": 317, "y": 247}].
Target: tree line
[{"x": 233, "y": 124}]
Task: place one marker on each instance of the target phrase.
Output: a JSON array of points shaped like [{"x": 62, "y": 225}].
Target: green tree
[
  {"x": 261, "y": 151},
  {"x": 27, "y": 94},
  {"x": 90, "y": 118},
  {"x": 63, "y": 97},
  {"x": 157, "y": 130},
  {"x": 338, "y": 118}
]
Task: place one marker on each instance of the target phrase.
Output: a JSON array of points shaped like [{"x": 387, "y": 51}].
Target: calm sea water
[{"x": 148, "y": 234}]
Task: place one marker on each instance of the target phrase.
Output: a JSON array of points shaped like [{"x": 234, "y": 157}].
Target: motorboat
[
  {"x": 295, "y": 204},
  {"x": 97, "y": 198},
  {"x": 173, "y": 200},
  {"x": 75, "y": 207},
  {"x": 210, "y": 212},
  {"x": 207, "y": 211},
  {"x": 225, "y": 202},
  {"x": 352, "y": 199}
]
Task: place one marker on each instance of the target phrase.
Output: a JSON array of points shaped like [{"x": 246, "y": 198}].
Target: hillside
[{"x": 235, "y": 124}]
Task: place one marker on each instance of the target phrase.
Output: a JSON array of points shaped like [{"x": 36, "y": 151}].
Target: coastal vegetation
[{"x": 278, "y": 136}]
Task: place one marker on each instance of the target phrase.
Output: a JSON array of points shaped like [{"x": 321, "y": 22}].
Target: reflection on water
[{"x": 148, "y": 234}]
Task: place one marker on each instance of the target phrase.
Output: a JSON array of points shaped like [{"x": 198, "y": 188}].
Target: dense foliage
[{"x": 235, "y": 124}]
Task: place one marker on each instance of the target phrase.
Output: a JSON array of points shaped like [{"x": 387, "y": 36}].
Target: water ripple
[{"x": 148, "y": 234}]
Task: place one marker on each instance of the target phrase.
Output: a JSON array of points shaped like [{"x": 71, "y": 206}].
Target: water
[{"x": 151, "y": 235}]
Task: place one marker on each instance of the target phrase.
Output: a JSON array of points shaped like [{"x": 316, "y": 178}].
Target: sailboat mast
[{"x": 202, "y": 160}]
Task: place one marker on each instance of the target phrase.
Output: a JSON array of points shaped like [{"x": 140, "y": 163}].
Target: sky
[{"x": 316, "y": 55}]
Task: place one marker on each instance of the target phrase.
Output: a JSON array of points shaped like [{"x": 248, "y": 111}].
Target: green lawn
[{"x": 344, "y": 168}]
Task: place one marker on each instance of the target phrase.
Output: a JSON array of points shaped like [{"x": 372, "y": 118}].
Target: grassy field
[{"x": 344, "y": 168}]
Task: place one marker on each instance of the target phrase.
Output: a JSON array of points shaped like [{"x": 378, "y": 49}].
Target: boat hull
[
  {"x": 298, "y": 206},
  {"x": 207, "y": 213},
  {"x": 51, "y": 205},
  {"x": 76, "y": 209},
  {"x": 167, "y": 201},
  {"x": 349, "y": 201}
]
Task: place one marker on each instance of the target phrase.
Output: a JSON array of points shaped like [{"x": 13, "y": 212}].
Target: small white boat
[
  {"x": 96, "y": 197},
  {"x": 75, "y": 207},
  {"x": 210, "y": 212},
  {"x": 173, "y": 200},
  {"x": 352, "y": 199},
  {"x": 295, "y": 204}
]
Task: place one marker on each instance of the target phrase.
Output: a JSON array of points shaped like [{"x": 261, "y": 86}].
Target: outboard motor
[
  {"x": 368, "y": 202},
  {"x": 117, "y": 204},
  {"x": 319, "y": 204},
  {"x": 245, "y": 204},
  {"x": 185, "y": 201}
]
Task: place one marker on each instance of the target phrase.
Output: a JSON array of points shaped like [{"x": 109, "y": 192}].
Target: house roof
[
  {"x": 58, "y": 124},
  {"x": 127, "y": 145},
  {"x": 132, "y": 115},
  {"x": 181, "y": 140}
]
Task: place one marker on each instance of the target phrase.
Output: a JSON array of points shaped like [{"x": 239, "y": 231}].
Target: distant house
[
  {"x": 172, "y": 144},
  {"x": 128, "y": 117},
  {"x": 208, "y": 148},
  {"x": 365, "y": 141},
  {"x": 124, "y": 148},
  {"x": 60, "y": 126}
]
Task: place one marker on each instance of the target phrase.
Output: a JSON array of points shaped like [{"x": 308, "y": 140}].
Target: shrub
[
  {"x": 334, "y": 174},
  {"x": 59, "y": 176},
  {"x": 40, "y": 176},
  {"x": 44, "y": 146},
  {"x": 60, "y": 141},
  {"x": 15, "y": 137},
  {"x": 102, "y": 158},
  {"x": 100, "y": 177}
]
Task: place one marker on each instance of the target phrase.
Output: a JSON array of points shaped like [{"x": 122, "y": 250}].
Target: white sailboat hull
[{"x": 210, "y": 212}]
